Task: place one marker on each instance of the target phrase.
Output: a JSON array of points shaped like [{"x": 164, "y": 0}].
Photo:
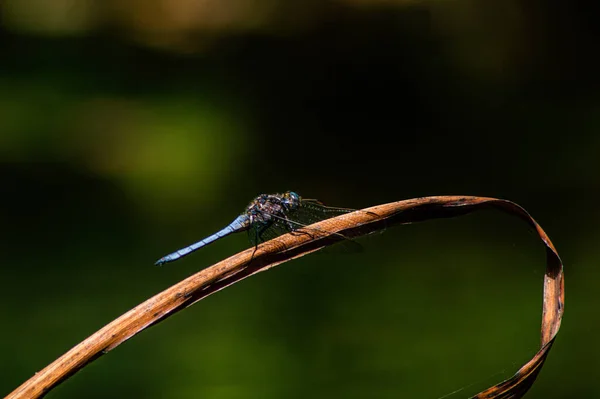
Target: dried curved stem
[{"x": 290, "y": 246}]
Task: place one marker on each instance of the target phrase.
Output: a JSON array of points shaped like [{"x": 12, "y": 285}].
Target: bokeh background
[{"x": 131, "y": 128}]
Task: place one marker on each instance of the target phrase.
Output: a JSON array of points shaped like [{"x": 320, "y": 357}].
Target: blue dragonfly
[{"x": 266, "y": 217}]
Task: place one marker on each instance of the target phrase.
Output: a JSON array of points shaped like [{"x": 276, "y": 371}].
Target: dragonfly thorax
[{"x": 267, "y": 208}]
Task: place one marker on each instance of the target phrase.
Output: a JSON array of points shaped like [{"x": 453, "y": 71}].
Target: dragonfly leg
[
  {"x": 302, "y": 232},
  {"x": 256, "y": 240},
  {"x": 295, "y": 231},
  {"x": 260, "y": 231}
]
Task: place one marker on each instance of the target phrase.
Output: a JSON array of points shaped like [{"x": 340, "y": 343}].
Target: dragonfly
[{"x": 266, "y": 217}]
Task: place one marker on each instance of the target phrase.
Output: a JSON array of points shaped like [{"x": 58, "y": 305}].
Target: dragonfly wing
[
  {"x": 311, "y": 212},
  {"x": 264, "y": 232},
  {"x": 282, "y": 225}
]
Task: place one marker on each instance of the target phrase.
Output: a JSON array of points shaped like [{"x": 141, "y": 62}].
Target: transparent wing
[
  {"x": 310, "y": 211},
  {"x": 261, "y": 232}
]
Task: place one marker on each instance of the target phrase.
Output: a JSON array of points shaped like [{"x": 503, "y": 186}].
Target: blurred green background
[{"x": 129, "y": 129}]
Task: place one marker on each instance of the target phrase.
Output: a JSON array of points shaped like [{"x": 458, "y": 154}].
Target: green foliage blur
[{"x": 130, "y": 129}]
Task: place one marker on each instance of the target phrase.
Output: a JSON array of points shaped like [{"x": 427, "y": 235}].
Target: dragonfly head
[{"x": 292, "y": 200}]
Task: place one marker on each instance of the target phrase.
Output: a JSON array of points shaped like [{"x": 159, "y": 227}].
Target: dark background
[{"x": 129, "y": 129}]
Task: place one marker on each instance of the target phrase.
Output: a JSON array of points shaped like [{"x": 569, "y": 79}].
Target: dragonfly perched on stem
[{"x": 266, "y": 217}]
